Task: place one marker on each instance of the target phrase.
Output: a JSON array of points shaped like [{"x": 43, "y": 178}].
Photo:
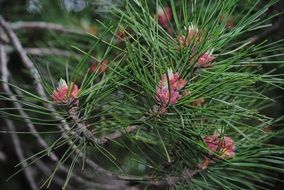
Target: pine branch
[
  {"x": 82, "y": 127},
  {"x": 48, "y": 51},
  {"x": 44, "y": 51},
  {"x": 44, "y": 26},
  {"x": 3, "y": 37},
  {"x": 186, "y": 175},
  {"x": 117, "y": 134}
]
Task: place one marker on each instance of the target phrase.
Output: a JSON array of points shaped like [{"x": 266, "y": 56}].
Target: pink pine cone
[
  {"x": 205, "y": 59},
  {"x": 164, "y": 16},
  {"x": 193, "y": 35},
  {"x": 168, "y": 89},
  {"x": 63, "y": 93},
  {"x": 225, "y": 146},
  {"x": 167, "y": 97}
]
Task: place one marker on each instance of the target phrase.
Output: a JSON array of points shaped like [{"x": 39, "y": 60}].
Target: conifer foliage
[{"x": 166, "y": 95}]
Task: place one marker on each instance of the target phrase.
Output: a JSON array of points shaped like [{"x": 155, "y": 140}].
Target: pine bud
[
  {"x": 65, "y": 93},
  {"x": 205, "y": 60},
  {"x": 99, "y": 66},
  {"x": 193, "y": 35},
  {"x": 224, "y": 146},
  {"x": 164, "y": 16},
  {"x": 168, "y": 89}
]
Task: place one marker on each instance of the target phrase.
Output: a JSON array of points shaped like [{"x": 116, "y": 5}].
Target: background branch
[
  {"x": 44, "y": 26},
  {"x": 16, "y": 142}
]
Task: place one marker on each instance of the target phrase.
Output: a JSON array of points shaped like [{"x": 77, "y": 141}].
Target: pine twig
[
  {"x": 117, "y": 134},
  {"x": 82, "y": 127},
  {"x": 186, "y": 175},
  {"x": 43, "y": 51},
  {"x": 48, "y": 51},
  {"x": 3, "y": 37},
  {"x": 44, "y": 26}
]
